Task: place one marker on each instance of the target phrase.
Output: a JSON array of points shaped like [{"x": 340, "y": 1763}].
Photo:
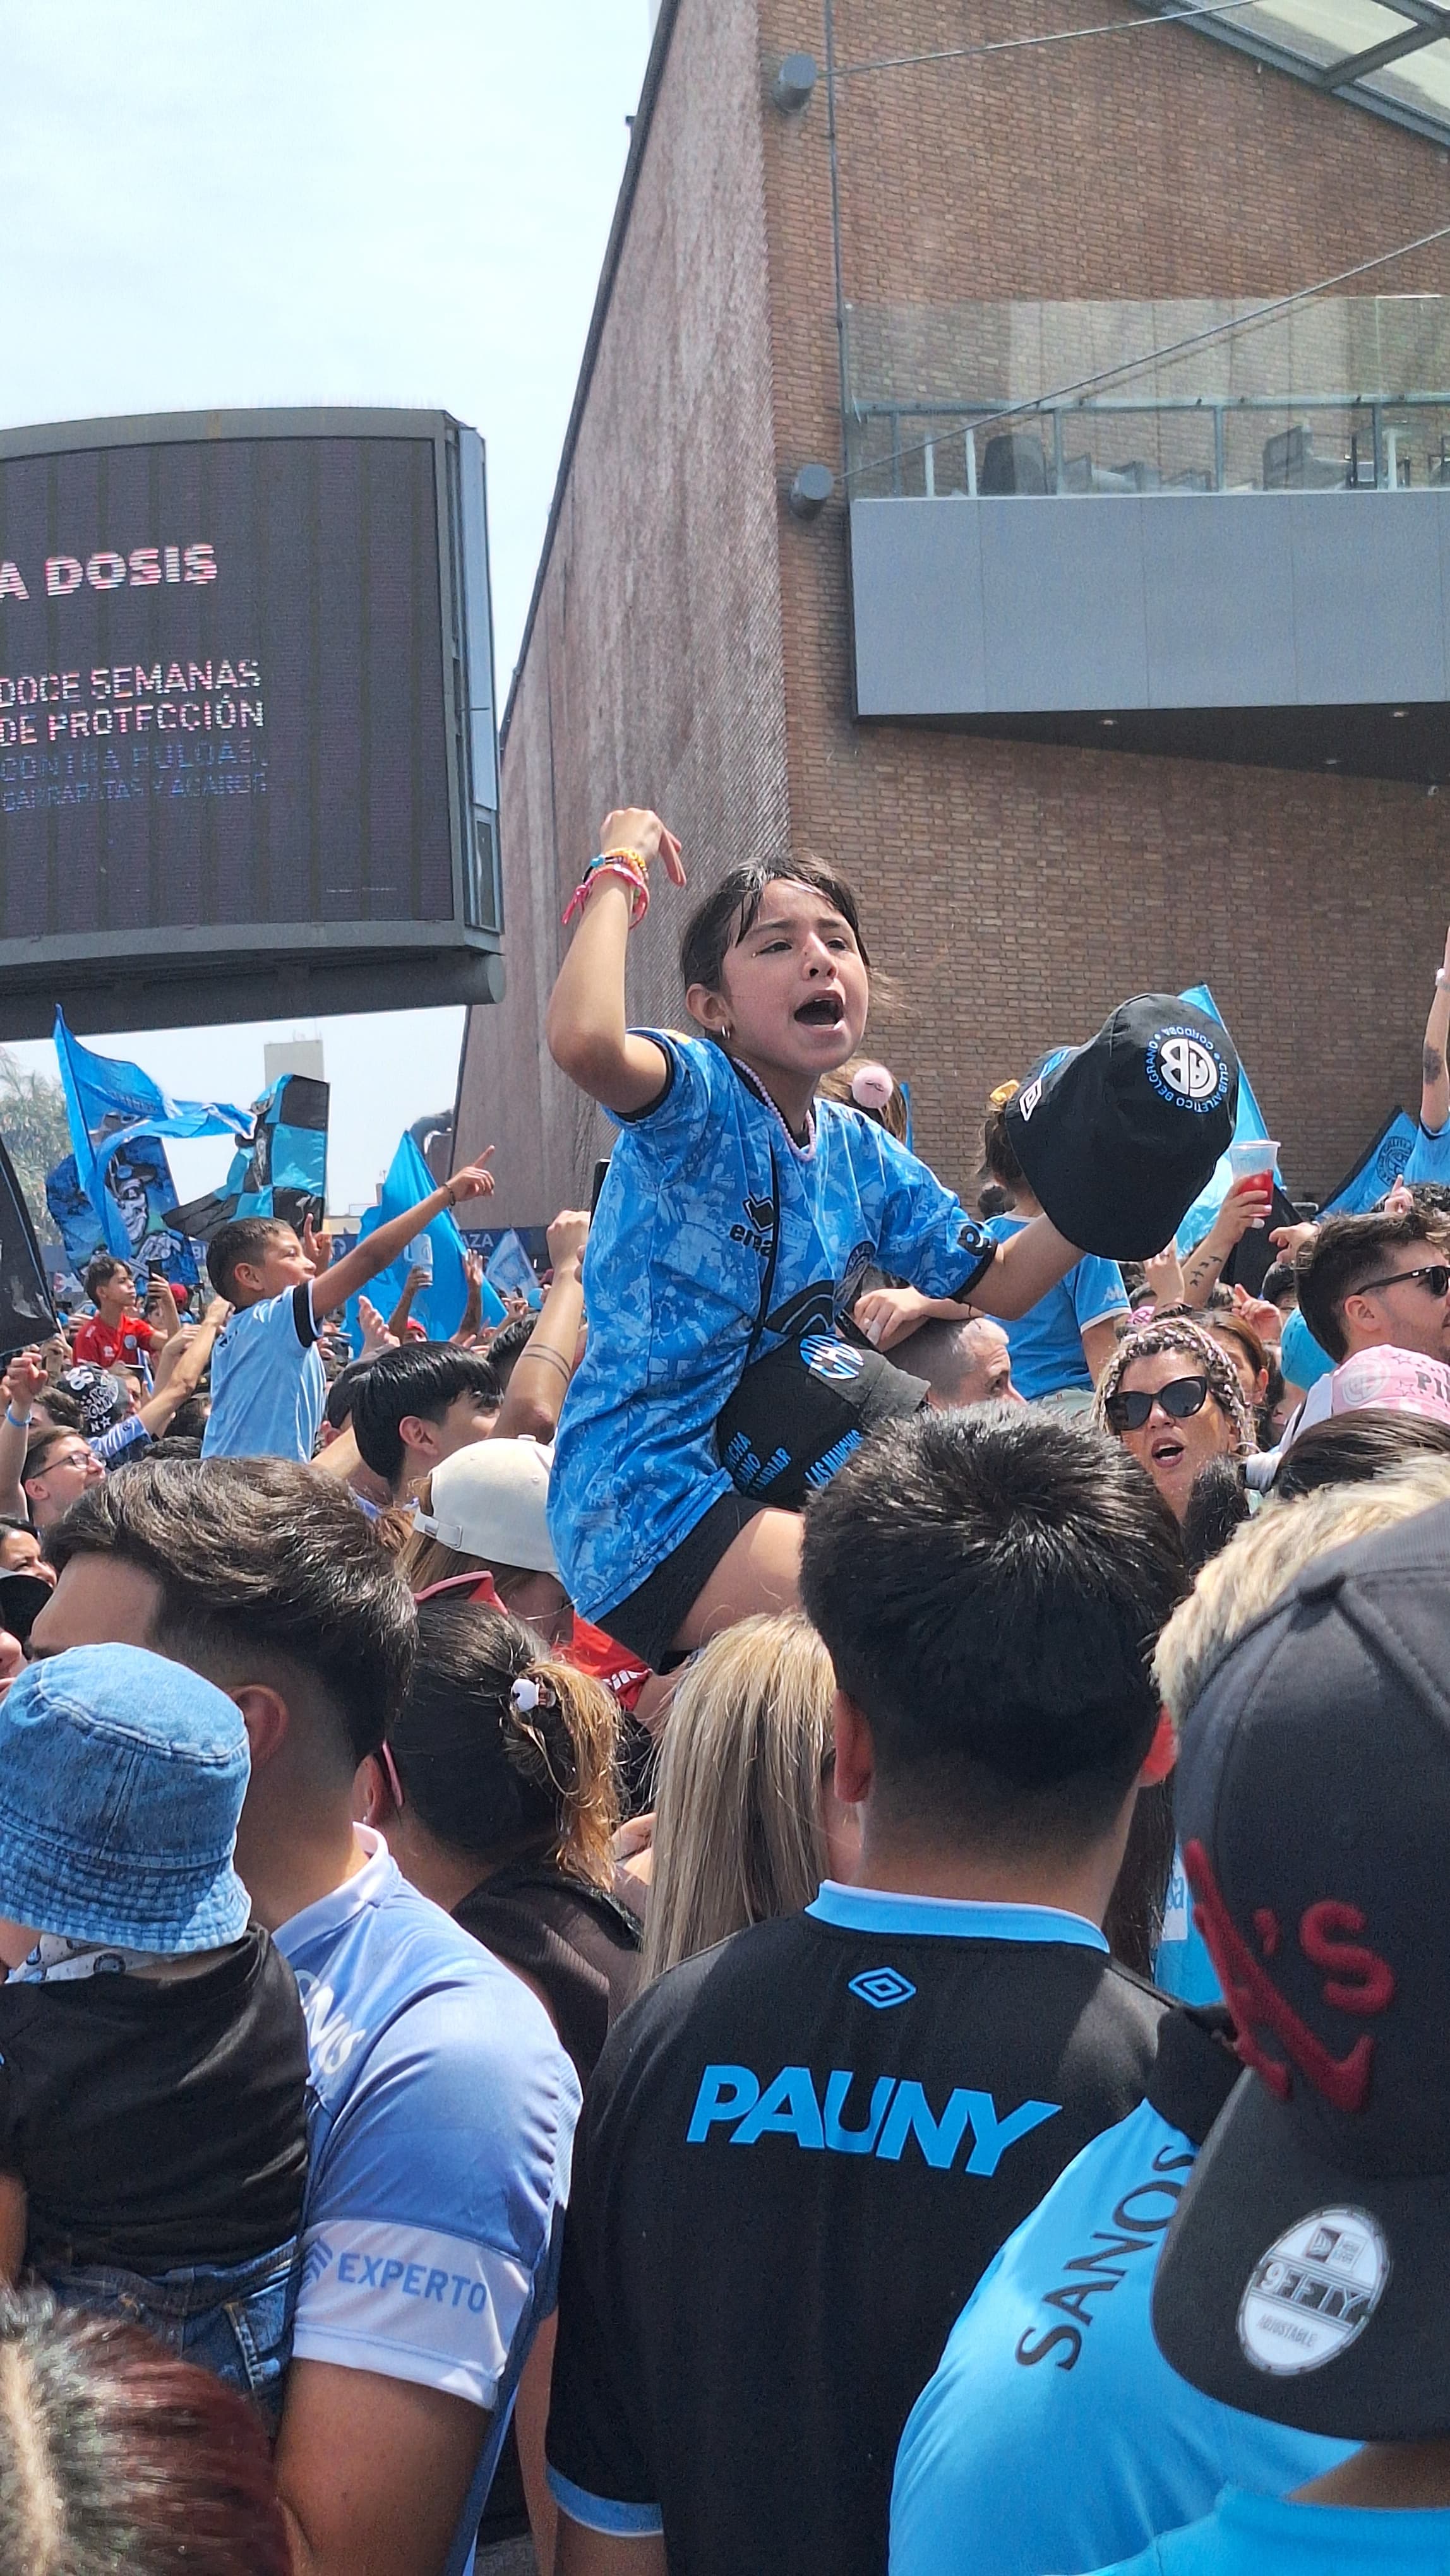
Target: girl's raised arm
[{"x": 585, "y": 1024}]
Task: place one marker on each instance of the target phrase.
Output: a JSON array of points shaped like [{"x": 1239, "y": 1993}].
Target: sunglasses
[
  {"x": 1435, "y": 1275},
  {"x": 1184, "y": 1396}
]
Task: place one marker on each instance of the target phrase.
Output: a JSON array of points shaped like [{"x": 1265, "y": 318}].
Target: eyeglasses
[
  {"x": 1435, "y": 1274},
  {"x": 1180, "y": 1398}
]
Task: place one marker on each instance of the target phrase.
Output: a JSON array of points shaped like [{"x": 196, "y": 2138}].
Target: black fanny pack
[{"x": 799, "y": 1411}]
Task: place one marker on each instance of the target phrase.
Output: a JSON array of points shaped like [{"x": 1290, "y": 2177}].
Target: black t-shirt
[
  {"x": 575, "y": 1943},
  {"x": 797, "y": 2157},
  {"x": 158, "y": 2122}
]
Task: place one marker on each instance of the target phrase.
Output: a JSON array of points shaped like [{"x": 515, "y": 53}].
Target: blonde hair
[
  {"x": 738, "y": 1830},
  {"x": 1262, "y": 1559},
  {"x": 427, "y": 1560}
]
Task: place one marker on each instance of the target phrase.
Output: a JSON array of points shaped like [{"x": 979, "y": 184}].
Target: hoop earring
[{"x": 727, "y": 1033}]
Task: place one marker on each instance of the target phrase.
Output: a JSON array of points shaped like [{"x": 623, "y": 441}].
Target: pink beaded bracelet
[{"x": 615, "y": 863}]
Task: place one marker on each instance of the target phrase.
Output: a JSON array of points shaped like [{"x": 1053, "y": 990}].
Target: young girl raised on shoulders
[{"x": 738, "y": 1217}]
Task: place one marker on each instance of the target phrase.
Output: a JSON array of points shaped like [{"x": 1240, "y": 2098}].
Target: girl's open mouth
[{"x": 823, "y": 1011}]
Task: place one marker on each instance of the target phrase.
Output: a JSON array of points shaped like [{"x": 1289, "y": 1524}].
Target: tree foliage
[{"x": 36, "y": 1132}]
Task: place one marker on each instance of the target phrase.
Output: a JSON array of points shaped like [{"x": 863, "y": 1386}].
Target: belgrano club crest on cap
[{"x": 1185, "y": 1069}]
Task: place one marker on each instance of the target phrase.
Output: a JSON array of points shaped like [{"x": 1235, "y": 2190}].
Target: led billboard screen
[{"x": 242, "y": 715}]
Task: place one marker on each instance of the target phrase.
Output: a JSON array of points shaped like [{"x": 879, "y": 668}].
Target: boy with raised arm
[{"x": 268, "y": 1385}]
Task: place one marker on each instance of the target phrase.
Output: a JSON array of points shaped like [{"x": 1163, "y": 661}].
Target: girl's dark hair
[
  {"x": 488, "y": 1777},
  {"x": 719, "y": 923},
  {"x": 115, "y": 2453},
  {"x": 1352, "y": 1447}
]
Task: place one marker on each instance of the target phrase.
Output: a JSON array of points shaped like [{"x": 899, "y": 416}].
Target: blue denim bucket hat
[{"x": 122, "y": 1777}]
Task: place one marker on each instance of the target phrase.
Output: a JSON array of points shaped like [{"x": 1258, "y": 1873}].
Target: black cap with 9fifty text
[
  {"x": 1117, "y": 1138},
  {"x": 1304, "y": 2276}
]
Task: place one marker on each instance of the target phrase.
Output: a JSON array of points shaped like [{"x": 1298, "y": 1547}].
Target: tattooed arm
[{"x": 1435, "y": 1082}]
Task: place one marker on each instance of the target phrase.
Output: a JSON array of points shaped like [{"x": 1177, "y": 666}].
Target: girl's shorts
[{"x": 649, "y": 1619}]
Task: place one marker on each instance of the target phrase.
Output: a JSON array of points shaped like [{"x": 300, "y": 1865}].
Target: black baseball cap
[
  {"x": 799, "y": 1412},
  {"x": 1117, "y": 1138},
  {"x": 1304, "y": 2275}
]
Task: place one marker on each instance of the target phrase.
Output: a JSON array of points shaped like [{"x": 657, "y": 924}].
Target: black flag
[{"x": 26, "y": 1313}]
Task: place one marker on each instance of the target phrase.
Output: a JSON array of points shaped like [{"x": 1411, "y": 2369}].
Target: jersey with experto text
[
  {"x": 1046, "y": 1342},
  {"x": 1053, "y": 2434},
  {"x": 673, "y": 1277},
  {"x": 441, "y": 2135},
  {"x": 798, "y": 2154},
  {"x": 268, "y": 1384},
  {"x": 1255, "y": 2535}
]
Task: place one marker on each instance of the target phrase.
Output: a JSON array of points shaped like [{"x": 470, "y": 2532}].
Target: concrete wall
[{"x": 653, "y": 674}]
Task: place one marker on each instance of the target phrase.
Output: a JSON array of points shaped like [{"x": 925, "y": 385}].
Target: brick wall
[
  {"x": 692, "y": 646},
  {"x": 1015, "y": 891}
]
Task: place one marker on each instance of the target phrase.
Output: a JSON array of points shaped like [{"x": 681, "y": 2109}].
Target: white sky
[{"x": 234, "y": 202}]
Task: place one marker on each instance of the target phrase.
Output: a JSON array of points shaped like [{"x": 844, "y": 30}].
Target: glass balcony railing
[{"x": 1348, "y": 394}]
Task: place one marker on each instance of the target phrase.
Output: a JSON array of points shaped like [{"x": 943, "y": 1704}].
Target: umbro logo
[{"x": 882, "y": 1987}]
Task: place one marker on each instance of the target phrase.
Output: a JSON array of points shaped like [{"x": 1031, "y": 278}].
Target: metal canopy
[{"x": 1391, "y": 56}]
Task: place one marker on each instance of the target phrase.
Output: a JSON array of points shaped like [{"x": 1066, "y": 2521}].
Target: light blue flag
[
  {"x": 439, "y": 1308},
  {"x": 510, "y": 1268},
  {"x": 108, "y": 1103},
  {"x": 1378, "y": 1168},
  {"x": 1249, "y": 1126}
]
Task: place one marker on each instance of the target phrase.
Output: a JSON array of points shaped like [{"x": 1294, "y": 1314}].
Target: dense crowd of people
[{"x": 778, "y": 1916}]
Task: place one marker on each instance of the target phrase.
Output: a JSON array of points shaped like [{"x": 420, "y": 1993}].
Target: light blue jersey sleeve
[
  {"x": 926, "y": 1235},
  {"x": 1429, "y": 1155},
  {"x": 1097, "y": 1290},
  {"x": 1053, "y": 2434}
]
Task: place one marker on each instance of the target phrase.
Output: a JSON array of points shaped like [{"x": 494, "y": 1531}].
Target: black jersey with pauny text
[{"x": 797, "y": 2156}]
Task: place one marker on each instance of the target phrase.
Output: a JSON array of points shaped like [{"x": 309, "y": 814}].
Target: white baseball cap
[{"x": 490, "y": 1499}]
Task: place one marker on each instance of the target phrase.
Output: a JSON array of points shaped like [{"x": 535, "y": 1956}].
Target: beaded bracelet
[{"x": 628, "y": 866}]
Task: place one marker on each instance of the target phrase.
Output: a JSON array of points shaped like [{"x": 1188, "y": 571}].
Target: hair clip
[
  {"x": 872, "y": 1086},
  {"x": 1004, "y": 1092},
  {"x": 528, "y": 1694}
]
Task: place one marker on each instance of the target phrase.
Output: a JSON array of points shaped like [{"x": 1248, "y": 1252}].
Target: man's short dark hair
[
  {"x": 1347, "y": 1251},
  {"x": 101, "y": 1271},
  {"x": 508, "y": 1347},
  {"x": 63, "y": 1408},
  {"x": 423, "y": 1379},
  {"x": 1279, "y": 1280},
  {"x": 245, "y": 1239},
  {"x": 258, "y": 1561},
  {"x": 337, "y": 1409},
  {"x": 990, "y": 1585}
]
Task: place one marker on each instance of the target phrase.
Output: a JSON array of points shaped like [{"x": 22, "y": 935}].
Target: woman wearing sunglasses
[{"x": 1174, "y": 1400}]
